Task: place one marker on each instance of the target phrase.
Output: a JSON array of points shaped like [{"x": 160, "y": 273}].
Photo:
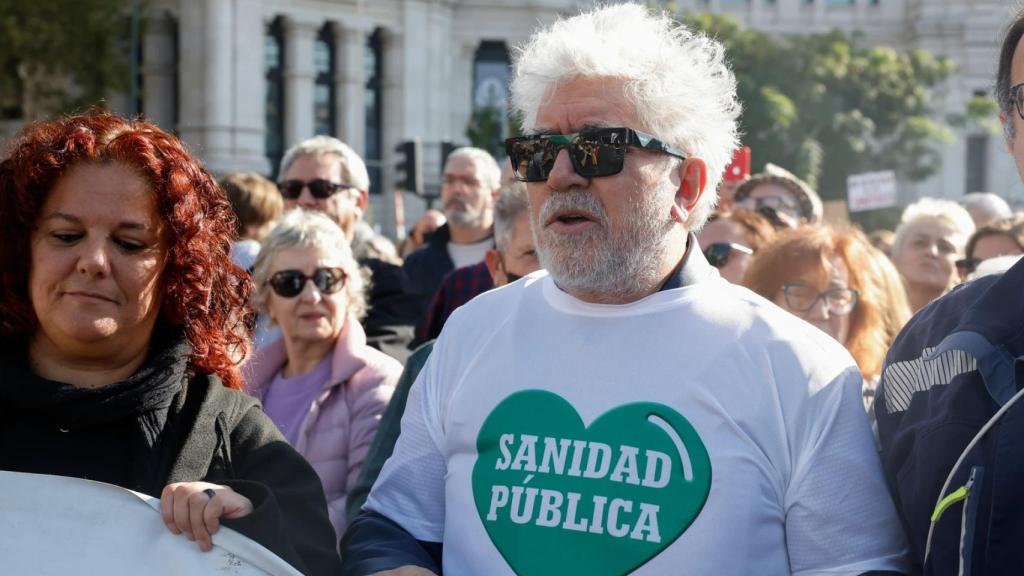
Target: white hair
[
  {"x": 946, "y": 211},
  {"x": 678, "y": 80},
  {"x": 353, "y": 169},
  {"x": 300, "y": 228},
  {"x": 486, "y": 166},
  {"x": 985, "y": 205}
]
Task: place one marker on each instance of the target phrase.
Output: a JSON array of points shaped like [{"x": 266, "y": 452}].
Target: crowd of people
[{"x": 593, "y": 359}]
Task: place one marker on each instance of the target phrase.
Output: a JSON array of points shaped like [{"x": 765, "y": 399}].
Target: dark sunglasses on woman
[
  {"x": 718, "y": 253},
  {"x": 290, "y": 283},
  {"x": 319, "y": 188},
  {"x": 594, "y": 152}
]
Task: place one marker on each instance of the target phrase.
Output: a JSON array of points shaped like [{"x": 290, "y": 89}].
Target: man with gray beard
[
  {"x": 470, "y": 184},
  {"x": 627, "y": 411}
]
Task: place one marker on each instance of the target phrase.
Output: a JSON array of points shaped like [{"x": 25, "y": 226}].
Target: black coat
[{"x": 202, "y": 431}]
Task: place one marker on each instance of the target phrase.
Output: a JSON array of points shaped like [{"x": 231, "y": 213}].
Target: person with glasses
[
  {"x": 321, "y": 383},
  {"x": 730, "y": 240},
  {"x": 839, "y": 283},
  {"x": 778, "y": 195},
  {"x": 949, "y": 413},
  {"x": 929, "y": 240},
  {"x": 470, "y": 183},
  {"x": 326, "y": 175},
  {"x": 627, "y": 410}
]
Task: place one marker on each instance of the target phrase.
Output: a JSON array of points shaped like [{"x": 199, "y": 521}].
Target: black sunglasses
[
  {"x": 967, "y": 265},
  {"x": 290, "y": 283},
  {"x": 593, "y": 152},
  {"x": 718, "y": 253},
  {"x": 319, "y": 188}
]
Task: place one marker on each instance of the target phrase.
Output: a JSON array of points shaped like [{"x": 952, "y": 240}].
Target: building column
[
  {"x": 158, "y": 72},
  {"x": 299, "y": 80},
  {"x": 394, "y": 123},
  {"x": 350, "y": 84},
  {"x": 219, "y": 116},
  {"x": 462, "y": 89},
  {"x": 205, "y": 68}
]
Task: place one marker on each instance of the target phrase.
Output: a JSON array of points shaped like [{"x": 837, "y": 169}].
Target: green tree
[
  {"x": 60, "y": 55},
  {"x": 486, "y": 129},
  {"x": 825, "y": 107}
]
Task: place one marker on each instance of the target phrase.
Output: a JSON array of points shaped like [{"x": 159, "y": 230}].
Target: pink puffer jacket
[{"x": 336, "y": 433}]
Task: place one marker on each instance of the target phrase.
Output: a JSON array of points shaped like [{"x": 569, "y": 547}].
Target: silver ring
[{"x": 210, "y": 492}]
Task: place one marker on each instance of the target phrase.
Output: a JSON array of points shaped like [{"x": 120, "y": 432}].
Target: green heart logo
[{"x": 559, "y": 497}]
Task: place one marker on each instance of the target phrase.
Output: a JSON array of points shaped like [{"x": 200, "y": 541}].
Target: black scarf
[{"x": 144, "y": 400}]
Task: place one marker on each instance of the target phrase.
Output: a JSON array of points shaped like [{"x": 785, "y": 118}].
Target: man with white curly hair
[{"x": 627, "y": 411}]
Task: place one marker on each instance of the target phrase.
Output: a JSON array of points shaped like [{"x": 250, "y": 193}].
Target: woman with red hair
[
  {"x": 838, "y": 282},
  {"x": 122, "y": 323}
]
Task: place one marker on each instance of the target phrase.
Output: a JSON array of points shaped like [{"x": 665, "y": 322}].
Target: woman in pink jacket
[{"x": 321, "y": 384}]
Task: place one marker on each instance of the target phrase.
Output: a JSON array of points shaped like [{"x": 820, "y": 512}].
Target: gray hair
[
  {"x": 678, "y": 80},
  {"x": 512, "y": 203},
  {"x": 300, "y": 228},
  {"x": 935, "y": 209},
  {"x": 986, "y": 204},
  {"x": 353, "y": 169},
  {"x": 486, "y": 166}
]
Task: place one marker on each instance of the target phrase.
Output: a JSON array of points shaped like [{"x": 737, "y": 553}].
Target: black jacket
[
  {"x": 957, "y": 363},
  {"x": 195, "y": 429},
  {"x": 426, "y": 267}
]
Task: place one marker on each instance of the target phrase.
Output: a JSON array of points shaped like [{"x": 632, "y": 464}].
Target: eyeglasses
[
  {"x": 319, "y": 188},
  {"x": 290, "y": 283},
  {"x": 593, "y": 152},
  {"x": 718, "y": 253},
  {"x": 801, "y": 298},
  {"x": 1017, "y": 97}
]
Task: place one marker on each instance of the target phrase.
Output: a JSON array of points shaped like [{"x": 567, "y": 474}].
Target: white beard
[{"x": 618, "y": 261}]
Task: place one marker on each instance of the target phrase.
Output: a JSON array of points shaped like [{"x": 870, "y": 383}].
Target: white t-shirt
[
  {"x": 463, "y": 255},
  {"x": 700, "y": 430}
]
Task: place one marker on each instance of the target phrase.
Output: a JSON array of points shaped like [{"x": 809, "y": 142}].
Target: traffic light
[
  {"x": 447, "y": 147},
  {"x": 408, "y": 169}
]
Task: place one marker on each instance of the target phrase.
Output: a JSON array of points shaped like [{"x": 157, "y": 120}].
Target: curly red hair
[{"x": 204, "y": 294}]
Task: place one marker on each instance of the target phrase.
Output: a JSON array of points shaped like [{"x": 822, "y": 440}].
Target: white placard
[
  {"x": 871, "y": 191},
  {"x": 53, "y": 525}
]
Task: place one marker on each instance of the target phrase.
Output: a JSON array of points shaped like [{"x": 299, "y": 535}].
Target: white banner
[
  {"x": 51, "y": 525},
  {"x": 871, "y": 191}
]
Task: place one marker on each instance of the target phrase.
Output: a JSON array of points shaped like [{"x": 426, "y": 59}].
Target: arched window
[
  {"x": 489, "y": 121},
  {"x": 374, "y": 74},
  {"x": 324, "y": 90},
  {"x": 273, "y": 63}
]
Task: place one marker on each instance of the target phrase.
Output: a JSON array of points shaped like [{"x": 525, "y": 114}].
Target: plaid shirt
[{"x": 457, "y": 288}]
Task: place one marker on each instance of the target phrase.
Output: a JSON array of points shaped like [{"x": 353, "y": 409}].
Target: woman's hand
[{"x": 195, "y": 509}]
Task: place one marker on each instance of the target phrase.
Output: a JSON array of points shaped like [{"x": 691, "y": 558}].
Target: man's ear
[
  {"x": 493, "y": 261},
  {"x": 362, "y": 201},
  {"x": 693, "y": 179},
  {"x": 1005, "y": 121}
]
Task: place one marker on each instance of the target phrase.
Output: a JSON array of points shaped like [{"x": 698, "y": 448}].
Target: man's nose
[{"x": 563, "y": 175}]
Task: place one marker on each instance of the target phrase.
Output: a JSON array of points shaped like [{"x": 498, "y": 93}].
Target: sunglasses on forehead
[
  {"x": 594, "y": 153},
  {"x": 319, "y": 188},
  {"x": 291, "y": 283}
]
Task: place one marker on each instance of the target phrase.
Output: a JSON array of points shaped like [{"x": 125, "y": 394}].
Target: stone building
[{"x": 241, "y": 80}]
